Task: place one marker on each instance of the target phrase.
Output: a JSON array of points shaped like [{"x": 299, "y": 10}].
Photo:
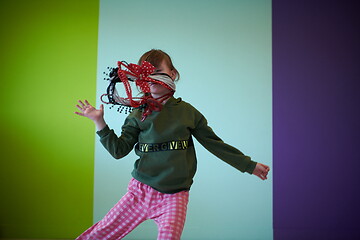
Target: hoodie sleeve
[
  {"x": 207, "y": 138},
  {"x": 120, "y": 146}
]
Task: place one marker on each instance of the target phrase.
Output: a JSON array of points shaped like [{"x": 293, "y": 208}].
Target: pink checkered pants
[{"x": 141, "y": 203}]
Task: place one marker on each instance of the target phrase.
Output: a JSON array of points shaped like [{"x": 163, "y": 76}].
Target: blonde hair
[{"x": 156, "y": 57}]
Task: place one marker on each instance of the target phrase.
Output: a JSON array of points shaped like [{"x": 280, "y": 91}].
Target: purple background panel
[{"x": 316, "y": 119}]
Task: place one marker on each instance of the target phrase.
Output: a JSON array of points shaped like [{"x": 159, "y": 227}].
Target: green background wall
[{"x": 48, "y": 61}]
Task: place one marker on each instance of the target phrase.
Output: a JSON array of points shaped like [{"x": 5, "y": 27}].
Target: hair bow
[
  {"x": 140, "y": 74},
  {"x": 137, "y": 73}
]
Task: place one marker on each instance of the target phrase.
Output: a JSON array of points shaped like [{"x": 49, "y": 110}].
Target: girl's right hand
[{"x": 96, "y": 115}]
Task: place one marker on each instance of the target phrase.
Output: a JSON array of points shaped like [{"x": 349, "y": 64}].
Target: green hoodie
[{"x": 163, "y": 141}]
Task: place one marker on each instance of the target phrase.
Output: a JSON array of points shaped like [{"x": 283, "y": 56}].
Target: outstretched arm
[
  {"x": 206, "y": 136},
  {"x": 96, "y": 115},
  {"x": 118, "y": 147}
]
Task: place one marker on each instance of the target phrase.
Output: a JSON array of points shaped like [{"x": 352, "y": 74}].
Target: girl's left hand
[{"x": 261, "y": 170}]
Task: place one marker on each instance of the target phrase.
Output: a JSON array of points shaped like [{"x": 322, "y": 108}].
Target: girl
[{"x": 164, "y": 172}]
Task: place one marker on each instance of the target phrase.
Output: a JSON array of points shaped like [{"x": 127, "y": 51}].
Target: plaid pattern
[{"x": 141, "y": 203}]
